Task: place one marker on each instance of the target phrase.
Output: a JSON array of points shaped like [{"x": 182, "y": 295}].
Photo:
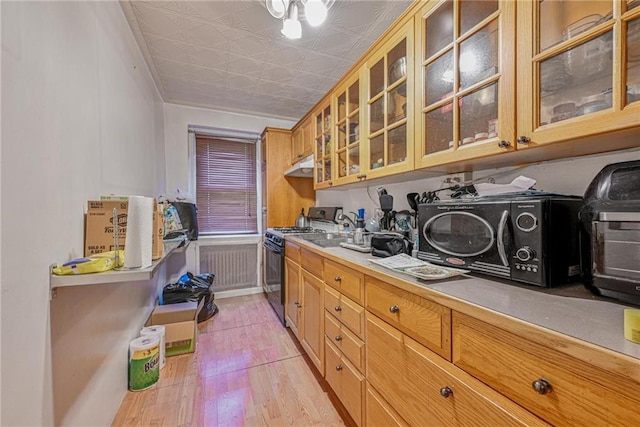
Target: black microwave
[{"x": 528, "y": 239}]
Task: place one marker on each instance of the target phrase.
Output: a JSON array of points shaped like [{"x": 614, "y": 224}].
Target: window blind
[{"x": 226, "y": 193}]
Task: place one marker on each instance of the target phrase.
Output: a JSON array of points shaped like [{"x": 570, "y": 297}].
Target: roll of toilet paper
[
  {"x": 144, "y": 357},
  {"x": 157, "y": 330},
  {"x": 139, "y": 240}
]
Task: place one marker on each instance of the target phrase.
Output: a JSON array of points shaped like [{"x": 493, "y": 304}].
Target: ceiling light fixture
[{"x": 315, "y": 13}]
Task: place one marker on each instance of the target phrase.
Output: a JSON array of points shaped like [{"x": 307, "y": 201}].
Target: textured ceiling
[{"x": 230, "y": 55}]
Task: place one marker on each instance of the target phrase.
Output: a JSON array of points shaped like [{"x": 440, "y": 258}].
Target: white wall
[
  {"x": 570, "y": 176},
  {"x": 178, "y": 118},
  {"x": 81, "y": 117}
]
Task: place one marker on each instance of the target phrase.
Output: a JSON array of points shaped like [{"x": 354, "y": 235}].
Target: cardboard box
[
  {"x": 181, "y": 326},
  {"x": 99, "y": 227}
]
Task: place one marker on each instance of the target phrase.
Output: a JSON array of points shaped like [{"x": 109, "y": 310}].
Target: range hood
[{"x": 304, "y": 168}]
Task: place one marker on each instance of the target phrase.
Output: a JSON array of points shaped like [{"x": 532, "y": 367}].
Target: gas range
[{"x": 276, "y": 234}]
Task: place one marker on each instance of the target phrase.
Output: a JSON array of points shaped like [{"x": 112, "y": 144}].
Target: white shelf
[{"x": 118, "y": 276}]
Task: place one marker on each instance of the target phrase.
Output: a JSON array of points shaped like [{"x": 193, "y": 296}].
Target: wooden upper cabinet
[
  {"x": 389, "y": 127},
  {"x": 301, "y": 141},
  {"x": 323, "y": 141},
  {"x": 347, "y": 131},
  {"x": 578, "y": 70},
  {"x": 465, "y": 89}
]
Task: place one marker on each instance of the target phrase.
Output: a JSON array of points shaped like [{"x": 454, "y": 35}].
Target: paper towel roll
[
  {"x": 144, "y": 357},
  {"x": 157, "y": 330},
  {"x": 139, "y": 240}
]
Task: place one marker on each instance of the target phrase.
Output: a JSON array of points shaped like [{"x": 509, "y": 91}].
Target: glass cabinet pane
[
  {"x": 354, "y": 96},
  {"x": 377, "y": 115},
  {"x": 376, "y": 78},
  {"x": 633, "y": 60},
  {"x": 342, "y": 135},
  {"x": 478, "y": 112},
  {"x": 342, "y": 164},
  {"x": 479, "y": 56},
  {"x": 397, "y": 145},
  {"x": 561, "y": 20},
  {"x": 578, "y": 81},
  {"x": 439, "y": 29},
  {"x": 439, "y": 129},
  {"x": 397, "y": 63},
  {"x": 376, "y": 152},
  {"x": 438, "y": 77},
  {"x": 342, "y": 107},
  {"x": 396, "y": 106},
  {"x": 472, "y": 12}
]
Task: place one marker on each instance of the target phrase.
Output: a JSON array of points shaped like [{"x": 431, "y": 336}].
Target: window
[{"x": 226, "y": 193}]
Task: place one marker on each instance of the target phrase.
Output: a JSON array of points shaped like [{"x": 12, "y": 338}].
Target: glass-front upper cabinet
[
  {"x": 465, "y": 71},
  {"x": 323, "y": 141},
  {"x": 389, "y": 132},
  {"x": 580, "y": 69},
  {"x": 347, "y": 130}
]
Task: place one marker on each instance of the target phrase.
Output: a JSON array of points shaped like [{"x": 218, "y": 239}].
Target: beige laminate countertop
[{"x": 570, "y": 310}]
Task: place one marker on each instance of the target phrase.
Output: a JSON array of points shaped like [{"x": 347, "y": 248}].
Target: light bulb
[
  {"x": 315, "y": 12},
  {"x": 291, "y": 28}
]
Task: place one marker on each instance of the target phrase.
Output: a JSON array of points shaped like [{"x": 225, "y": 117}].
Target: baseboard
[{"x": 236, "y": 292}]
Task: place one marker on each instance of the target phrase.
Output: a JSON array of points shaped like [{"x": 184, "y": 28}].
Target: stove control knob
[{"x": 525, "y": 253}]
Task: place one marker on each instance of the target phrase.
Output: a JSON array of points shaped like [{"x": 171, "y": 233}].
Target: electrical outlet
[{"x": 460, "y": 178}]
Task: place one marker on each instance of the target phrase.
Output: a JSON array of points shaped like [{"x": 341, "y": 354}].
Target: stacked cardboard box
[{"x": 101, "y": 222}]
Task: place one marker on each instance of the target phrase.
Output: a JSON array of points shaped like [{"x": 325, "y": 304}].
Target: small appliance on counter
[
  {"x": 531, "y": 239},
  {"x": 610, "y": 233}
]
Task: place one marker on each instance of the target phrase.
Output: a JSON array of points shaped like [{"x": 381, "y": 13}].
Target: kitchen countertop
[{"x": 570, "y": 310}]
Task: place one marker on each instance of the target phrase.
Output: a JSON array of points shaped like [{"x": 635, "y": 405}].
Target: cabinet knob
[
  {"x": 338, "y": 308},
  {"x": 394, "y": 309},
  {"x": 330, "y": 182},
  {"x": 504, "y": 144},
  {"x": 524, "y": 140},
  {"x": 298, "y": 304},
  {"x": 339, "y": 338},
  {"x": 542, "y": 386},
  {"x": 446, "y": 391},
  {"x": 339, "y": 368},
  {"x": 337, "y": 278}
]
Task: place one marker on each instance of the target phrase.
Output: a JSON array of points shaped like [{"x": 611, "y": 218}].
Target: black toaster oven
[{"x": 610, "y": 233}]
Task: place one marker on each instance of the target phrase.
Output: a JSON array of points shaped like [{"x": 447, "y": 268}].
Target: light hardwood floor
[{"x": 247, "y": 370}]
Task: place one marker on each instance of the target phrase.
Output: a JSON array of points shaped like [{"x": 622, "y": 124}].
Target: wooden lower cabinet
[
  {"x": 345, "y": 310},
  {"x": 313, "y": 319},
  {"x": 379, "y": 412},
  {"x": 345, "y": 279},
  {"x": 293, "y": 297},
  {"x": 346, "y": 381},
  {"x": 569, "y": 391},
  {"x": 424, "y": 389},
  {"x": 426, "y": 321}
]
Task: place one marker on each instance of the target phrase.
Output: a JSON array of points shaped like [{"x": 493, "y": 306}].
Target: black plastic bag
[
  {"x": 188, "y": 213},
  {"x": 190, "y": 288}
]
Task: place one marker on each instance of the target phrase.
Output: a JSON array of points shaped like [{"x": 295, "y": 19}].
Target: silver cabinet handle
[
  {"x": 338, "y": 308},
  {"x": 339, "y": 368},
  {"x": 394, "y": 309},
  {"x": 542, "y": 386},
  {"x": 446, "y": 391},
  {"x": 337, "y": 278},
  {"x": 339, "y": 338},
  {"x": 524, "y": 140}
]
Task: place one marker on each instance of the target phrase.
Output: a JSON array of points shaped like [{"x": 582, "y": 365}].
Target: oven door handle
[
  {"x": 272, "y": 247},
  {"x": 500, "y": 240}
]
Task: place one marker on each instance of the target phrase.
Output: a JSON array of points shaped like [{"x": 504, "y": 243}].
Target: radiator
[{"x": 235, "y": 265}]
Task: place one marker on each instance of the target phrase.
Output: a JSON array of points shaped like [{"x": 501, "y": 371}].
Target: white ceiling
[{"x": 230, "y": 55}]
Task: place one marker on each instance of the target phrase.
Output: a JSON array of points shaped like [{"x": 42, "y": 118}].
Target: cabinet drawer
[
  {"x": 348, "y": 281},
  {"x": 345, "y": 310},
  {"x": 425, "y": 321},
  {"x": 351, "y": 346},
  {"x": 579, "y": 393},
  {"x": 379, "y": 412},
  {"x": 311, "y": 262},
  {"x": 346, "y": 381},
  {"x": 292, "y": 251},
  {"x": 421, "y": 386}
]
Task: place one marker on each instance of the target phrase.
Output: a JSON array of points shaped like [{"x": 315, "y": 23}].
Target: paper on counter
[
  {"x": 518, "y": 185},
  {"x": 138, "y": 242}
]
